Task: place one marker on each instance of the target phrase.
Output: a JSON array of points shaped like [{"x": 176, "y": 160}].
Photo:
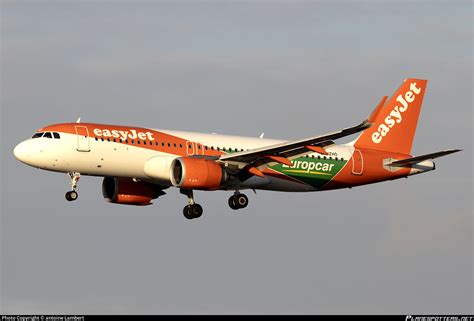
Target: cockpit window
[
  {"x": 56, "y": 135},
  {"x": 47, "y": 135},
  {"x": 37, "y": 135}
]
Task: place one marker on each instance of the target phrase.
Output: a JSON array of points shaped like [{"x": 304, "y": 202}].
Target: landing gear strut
[
  {"x": 238, "y": 201},
  {"x": 192, "y": 210},
  {"x": 72, "y": 194}
]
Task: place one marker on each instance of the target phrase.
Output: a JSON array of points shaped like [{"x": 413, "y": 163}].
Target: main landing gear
[
  {"x": 72, "y": 194},
  {"x": 192, "y": 210},
  {"x": 238, "y": 201}
]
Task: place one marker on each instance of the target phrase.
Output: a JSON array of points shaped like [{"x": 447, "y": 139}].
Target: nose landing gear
[
  {"x": 192, "y": 210},
  {"x": 238, "y": 201},
  {"x": 72, "y": 195}
]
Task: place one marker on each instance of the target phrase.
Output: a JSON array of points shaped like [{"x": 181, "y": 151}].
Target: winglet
[{"x": 377, "y": 109}]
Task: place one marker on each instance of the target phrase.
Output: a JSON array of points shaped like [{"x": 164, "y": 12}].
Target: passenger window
[
  {"x": 102, "y": 139},
  {"x": 96, "y": 139},
  {"x": 212, "y": 147},
  {"x": 205, "y": 147},
  {"x": 56, "y": 135},
  {"x": 37, "y": 135},
  {"x": 218, "y": 149},
  {"x": 138, "y": 142},
  {"x": 180, "y": 145},
  {"x": 48, "y": 135},
  {"x": 169, "y": 145},
  {"x": 144, "y": 142},
  {"x": 133, "y": 142},
  {"x": 174, "y": 145},
  {"x": 163, "y": 144},
  {"x": 115, "y": 140},
  {"x": 108, "y": 139}
]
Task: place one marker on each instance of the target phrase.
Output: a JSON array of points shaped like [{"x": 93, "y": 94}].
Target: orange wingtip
[
  {"x": 255, "y": 171},
  {"x": 281, "y": 160},
  {"x": 377, "y": 109},
  {"x": 317, "y": 149}
]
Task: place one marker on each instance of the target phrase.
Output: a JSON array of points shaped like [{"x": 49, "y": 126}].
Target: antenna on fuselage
[
  {"x": 78, "y": 120},
  {"x": 261, "y": 135}
]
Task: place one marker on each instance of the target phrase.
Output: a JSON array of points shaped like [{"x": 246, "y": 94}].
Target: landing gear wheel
[
  {"x": 192, "y": 211},
  {"x": 196, "y": 210},
  {"x": 232, "y": 203},
  {"x": 238, "y": 201},
  {"x": 71, "y": 196},
  {"x": 241, "y": 200},
  {"x": 187, "y": 212}
]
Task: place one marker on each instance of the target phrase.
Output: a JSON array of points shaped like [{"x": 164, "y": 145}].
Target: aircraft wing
[
  {"x": 414, "y": 160},
  {"x": 284, "y": 152}
]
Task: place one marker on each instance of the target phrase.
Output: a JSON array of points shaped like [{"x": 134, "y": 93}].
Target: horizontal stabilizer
[{"x": 414, "y": 160}]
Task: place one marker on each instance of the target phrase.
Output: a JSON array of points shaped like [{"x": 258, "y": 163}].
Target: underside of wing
[{"x": 254, "y": 160}]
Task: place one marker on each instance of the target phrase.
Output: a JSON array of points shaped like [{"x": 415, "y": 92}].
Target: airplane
[{"x": 138, "y": 164}]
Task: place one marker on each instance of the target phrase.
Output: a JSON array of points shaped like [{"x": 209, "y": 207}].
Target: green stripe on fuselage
[{"x": 312, "y": 171}]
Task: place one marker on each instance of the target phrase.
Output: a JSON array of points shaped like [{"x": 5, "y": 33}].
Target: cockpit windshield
[{"x": 46, "y": 135}]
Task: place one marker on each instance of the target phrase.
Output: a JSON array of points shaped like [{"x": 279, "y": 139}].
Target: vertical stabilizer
[{"x": 395, "y": 120}]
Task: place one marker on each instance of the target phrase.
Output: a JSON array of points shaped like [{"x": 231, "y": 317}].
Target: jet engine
[
  {"x": 129, "y": 192},
  {"x": 158, "y": 169},
  {"x": 197, "y": 173}
]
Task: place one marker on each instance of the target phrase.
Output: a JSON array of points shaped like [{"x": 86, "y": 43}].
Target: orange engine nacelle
[
  {"x": 197, "y": 173},
  {"x": 127, "y": 191}
]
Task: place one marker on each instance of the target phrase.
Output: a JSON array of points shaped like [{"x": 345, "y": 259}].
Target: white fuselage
[{"x": 90, "y": 156}]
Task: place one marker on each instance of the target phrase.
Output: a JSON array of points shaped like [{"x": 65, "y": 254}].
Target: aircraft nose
[{"x": 21, "y": 152}]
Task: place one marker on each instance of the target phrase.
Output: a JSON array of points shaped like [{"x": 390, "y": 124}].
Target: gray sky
[{"x": 290, "y": 70}]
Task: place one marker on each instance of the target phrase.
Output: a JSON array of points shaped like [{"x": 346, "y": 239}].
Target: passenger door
[
  {"x": 83, "y": 144},
  {"x": 357, "y": 162}
]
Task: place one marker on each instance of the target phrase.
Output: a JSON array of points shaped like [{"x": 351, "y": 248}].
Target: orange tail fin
[{"x": 395, "y": 119}]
